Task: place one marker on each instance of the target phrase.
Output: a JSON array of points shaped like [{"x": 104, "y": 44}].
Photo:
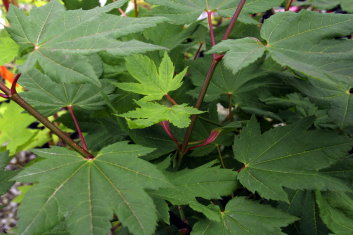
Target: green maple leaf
[
  {"x": 205, "y": 181},
  {"x": 8, "y": 49},
  {"x": 152, "y": 84},
  {"x": 306, "y": 43},
  {"x": 288, "y": 157},
  {"x": 151, "y": 113},
  {"x": 58, "y": 39},
  {"x": 87, "y": 193},
  {"x": 48, "y": 97},
  {"x": 336, "y": 210},
  {"x": 242, "y": 216},
  {"x": 188, "y": 11}
]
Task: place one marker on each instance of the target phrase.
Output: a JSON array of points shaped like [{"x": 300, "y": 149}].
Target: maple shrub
[{"x": 179, "y": 117}]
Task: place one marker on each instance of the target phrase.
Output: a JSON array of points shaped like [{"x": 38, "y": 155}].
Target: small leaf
[
  {"x": 288, "y": 157},
  {"x": 151, "y": 113},
  {"x": 152, "y": 84},
  {"x": 62, "y": 37},
  {"x": 242, "y": 216}
]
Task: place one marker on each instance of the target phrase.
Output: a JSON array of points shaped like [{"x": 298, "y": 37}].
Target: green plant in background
[{"x": 198, "y": 117}]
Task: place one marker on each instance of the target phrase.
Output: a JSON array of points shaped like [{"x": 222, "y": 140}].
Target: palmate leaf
[
  {"x": 152, "y": 84},
  {"x": 306, "y": 42},
  {"x": 288, "y": 157},
  {"x": 49, "y": 97},
  {"x": 336, "y": 210},
  {"x": 188, "y": 11},
  {"x": 88, "y": 192},
  {"x": 242, "y": 216},
  {"x": 151, "y": 113},
  {"x": 205, "y": 181},
  {"x": 58, "y": 39}
]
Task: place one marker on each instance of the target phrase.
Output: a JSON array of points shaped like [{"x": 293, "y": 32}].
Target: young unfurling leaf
[{"x": 152, "y": 83}]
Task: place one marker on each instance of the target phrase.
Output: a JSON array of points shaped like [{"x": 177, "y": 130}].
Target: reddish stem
[
  {"x": 213, "y": 136},
  {"x": 210, "y": 25},
  {"x": 171, "y": 99},
  {"x": 234, "y": 19},
  {"x": 77, "y": 127},
  {"x": 166, "y": 127},
  {"x": 289, "y": 4},
  {"x": 6, "y": 4},
  {"x": 122, "y": 12},
  {"x": 198, "y": 51},
  {"x": 14, "y": 84}
]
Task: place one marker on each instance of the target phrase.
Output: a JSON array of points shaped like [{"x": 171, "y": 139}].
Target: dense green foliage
[{"x": 270, "y": 142}]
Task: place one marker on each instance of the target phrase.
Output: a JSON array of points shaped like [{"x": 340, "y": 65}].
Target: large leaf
[
  {"x": 88, "y": 192},
  {"x": 311, "y": 49},
  {"x": 288, "y": 157},
  {"x": 152, "y": 84},
  {"x": 242, "y": 216},
  {"x": 307, "y": 43},
  {"x": 49, "y": 97},
  {"x": 57, "y": 39},
  {"x": 336, "y": 210},
  {"x": 151, "y": 113},
  {"x": 205, "y": 181},
  {"x": 188, "y": 11}
]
